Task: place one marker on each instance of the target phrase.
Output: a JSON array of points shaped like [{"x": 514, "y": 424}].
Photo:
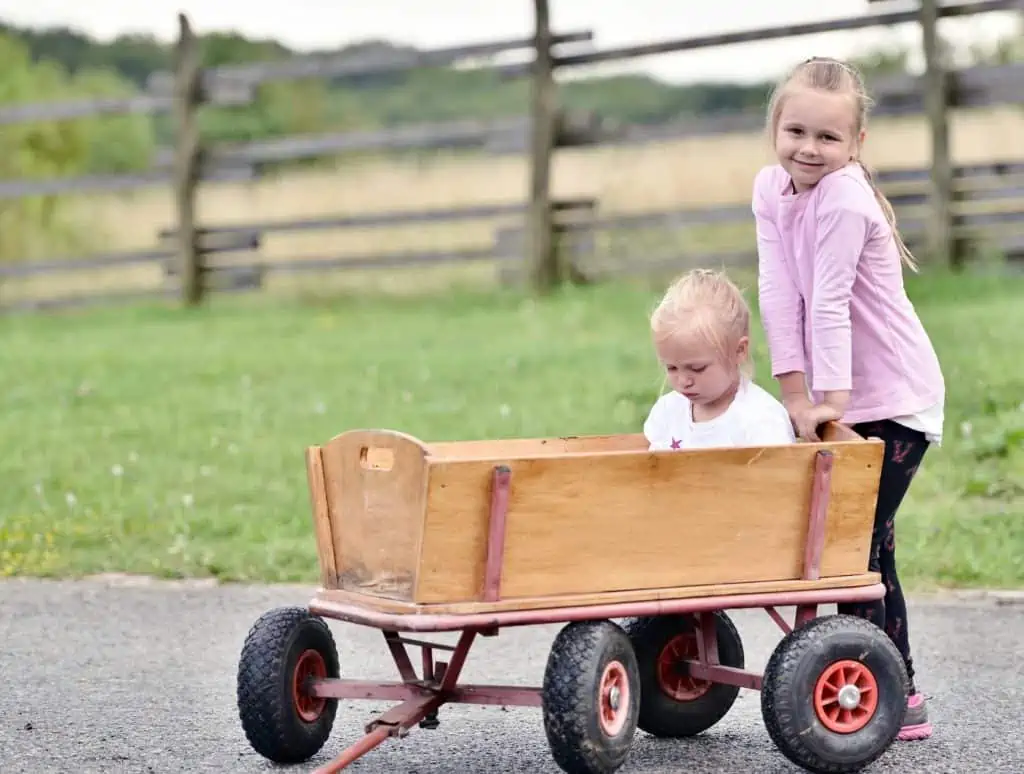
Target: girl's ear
[{"x": 743, "y": 349}]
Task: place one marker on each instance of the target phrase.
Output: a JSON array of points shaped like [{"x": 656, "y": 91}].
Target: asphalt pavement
[{"x": 116, "y": 675}]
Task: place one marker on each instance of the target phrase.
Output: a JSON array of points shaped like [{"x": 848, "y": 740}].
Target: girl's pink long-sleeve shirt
[{"x": 832, "y": 299}]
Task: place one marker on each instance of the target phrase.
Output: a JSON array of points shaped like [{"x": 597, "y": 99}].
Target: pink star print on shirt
[{"x": 676, "y": 443}]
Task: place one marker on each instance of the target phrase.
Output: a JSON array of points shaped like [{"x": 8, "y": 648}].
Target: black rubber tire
[
  {"x": 571, "y": 702},
  {"x": 660, "y": 714},
  {"x": 266, "y": 669},
  {"x": 787, "y": 695}
]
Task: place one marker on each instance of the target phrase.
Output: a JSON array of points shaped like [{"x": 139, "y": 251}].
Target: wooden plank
[
  {"x": 960, "y": 172},
  {"x": 81, "y": 108},
  {"x": 351, "y": 65},
  {"x": 556, "y": 601},
  {"x": 468, "y": 133},
  {"x": 59, "y": 303},
  {"x": 941, "y": 247},
  {"x": 573, "y": 516},
  {"x": 145, "y": 103},
  {"x": 212, "y": 240},
  {"x": 121, "y": 258},
  {"x": 85, "y": 263},
  {"x": 535, "y": 447},
  {"x": 375, "y": 484},
  {"x": 168, "y": 290},
  {"x": 880, "y": 19},
  {"x": 366, "y": 220},
  {"x": 321, "y": 518},
  {"x": 919, "y": 222},
  {"x": 542, "y": 259},
  {"x": 389, "y": 260},
  {"x": 150, "y": 178},
  {"x": 921, "y": 198},
  {"x": 636, "y": 265},
  {"x": 187, "y": 160}
]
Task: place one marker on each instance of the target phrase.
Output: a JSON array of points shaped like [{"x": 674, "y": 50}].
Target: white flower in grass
[{"x": 116, "y": 470}]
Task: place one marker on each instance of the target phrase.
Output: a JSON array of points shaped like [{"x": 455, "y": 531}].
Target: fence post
[
  {"x": 187, "y": 159},
  {"x": 543, "y": 259},
  {"x": 940, "y": 239}
]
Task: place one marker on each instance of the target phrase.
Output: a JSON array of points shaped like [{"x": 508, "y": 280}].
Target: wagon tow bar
[{"x": 420, "y": 697}]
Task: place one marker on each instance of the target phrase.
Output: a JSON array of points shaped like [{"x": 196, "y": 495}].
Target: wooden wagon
[{"x": 638, "y": 553}]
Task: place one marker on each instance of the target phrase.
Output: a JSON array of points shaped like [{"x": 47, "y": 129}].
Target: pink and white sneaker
[{"x": 915, "y": 722}]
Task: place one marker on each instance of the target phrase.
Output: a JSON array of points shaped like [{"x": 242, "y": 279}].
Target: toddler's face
[
  {"x": 815, "y": 135},
  {"x": 697, "y": 369}
]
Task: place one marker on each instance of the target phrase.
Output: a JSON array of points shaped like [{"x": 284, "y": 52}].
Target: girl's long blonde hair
[{"x": 833, "y": 75}]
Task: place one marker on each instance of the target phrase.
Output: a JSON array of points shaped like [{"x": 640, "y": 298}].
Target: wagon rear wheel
[
  {"x": 834, "y": 694},
  {"x": 673, "y": 704},
  {"x": 591, "y": 697},
  {"x": 285, "y": 647}
]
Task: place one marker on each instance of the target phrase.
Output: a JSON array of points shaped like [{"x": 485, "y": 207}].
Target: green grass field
[{"x": 157, "y": 441}]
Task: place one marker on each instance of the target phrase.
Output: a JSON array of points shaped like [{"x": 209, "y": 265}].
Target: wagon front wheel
[
  {"x": 591, "y": 697},
  {"x": 284, "y": 649},
  {"x": 834, "y": 694}
]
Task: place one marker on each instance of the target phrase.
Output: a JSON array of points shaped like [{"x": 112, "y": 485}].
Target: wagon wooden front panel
[
  {"x": 617, "y": 521},
  {"x": 375, "y": 487}
]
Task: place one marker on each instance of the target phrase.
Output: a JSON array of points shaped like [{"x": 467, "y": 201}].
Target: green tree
[{"x": 46, "y": 149}]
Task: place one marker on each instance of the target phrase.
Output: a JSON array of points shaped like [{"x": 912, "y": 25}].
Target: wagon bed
[{"x": 423, "y": 535}]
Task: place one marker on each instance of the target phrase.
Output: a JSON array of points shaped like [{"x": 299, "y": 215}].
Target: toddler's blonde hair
[
  {"x": 833, "y": 75},
  {"x": 706, "y": 304}
]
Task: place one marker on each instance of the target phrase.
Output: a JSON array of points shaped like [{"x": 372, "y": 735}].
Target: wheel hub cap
[
  {"x": 613, "y": 698},
  {"x": 846, "y": 696},
  {"x": 849, "y": 697}
]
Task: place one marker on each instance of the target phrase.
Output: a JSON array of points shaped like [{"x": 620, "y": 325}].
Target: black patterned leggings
[{"x": 904, "y": 449}]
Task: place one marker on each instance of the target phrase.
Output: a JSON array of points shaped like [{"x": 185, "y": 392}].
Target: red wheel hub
[
  {"x": 846, "y": 696},
  {"x": 673, "y": 676},
  {"x": 613, "y": 698},
  {"x": 310, "y": 664}
]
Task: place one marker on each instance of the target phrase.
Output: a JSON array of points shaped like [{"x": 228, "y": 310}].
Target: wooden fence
[{"x": 529, "y": 237}]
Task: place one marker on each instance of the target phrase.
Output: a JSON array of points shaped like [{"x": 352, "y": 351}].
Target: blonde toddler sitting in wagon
[{"x": 701, "y": 333}]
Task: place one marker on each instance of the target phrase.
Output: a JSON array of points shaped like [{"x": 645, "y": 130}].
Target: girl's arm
[
  {"x": 842, "y": 231},
  {"x": 778, "y": 298}
]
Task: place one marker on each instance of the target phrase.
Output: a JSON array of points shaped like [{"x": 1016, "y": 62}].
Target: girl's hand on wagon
[{"x": 808, "y": 417}]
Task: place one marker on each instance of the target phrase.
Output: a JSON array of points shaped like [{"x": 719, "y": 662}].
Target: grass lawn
[{"x": 157, "y": 441}]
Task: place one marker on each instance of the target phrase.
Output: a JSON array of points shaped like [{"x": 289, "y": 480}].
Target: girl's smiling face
[{"x": 816, "y": 135}]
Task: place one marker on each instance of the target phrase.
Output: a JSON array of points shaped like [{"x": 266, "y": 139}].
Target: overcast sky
[{"x": 432, "y": 23}]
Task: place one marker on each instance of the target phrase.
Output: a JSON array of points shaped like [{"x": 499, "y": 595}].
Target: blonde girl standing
[{"x": 845, "y": 341}]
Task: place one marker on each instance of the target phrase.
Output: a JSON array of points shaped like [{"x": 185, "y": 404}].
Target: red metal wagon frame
[{"x": 421, "y": 696}]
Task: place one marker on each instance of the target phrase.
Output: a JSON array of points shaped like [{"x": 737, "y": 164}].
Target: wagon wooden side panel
[
  {"x": 581, "y": 524},
  {"x": 369, "y": 492},
  {"x": 536, "y": 447}
]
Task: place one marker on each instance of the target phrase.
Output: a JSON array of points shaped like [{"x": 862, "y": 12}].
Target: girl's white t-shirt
[{"x": 755, "y": 418}]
